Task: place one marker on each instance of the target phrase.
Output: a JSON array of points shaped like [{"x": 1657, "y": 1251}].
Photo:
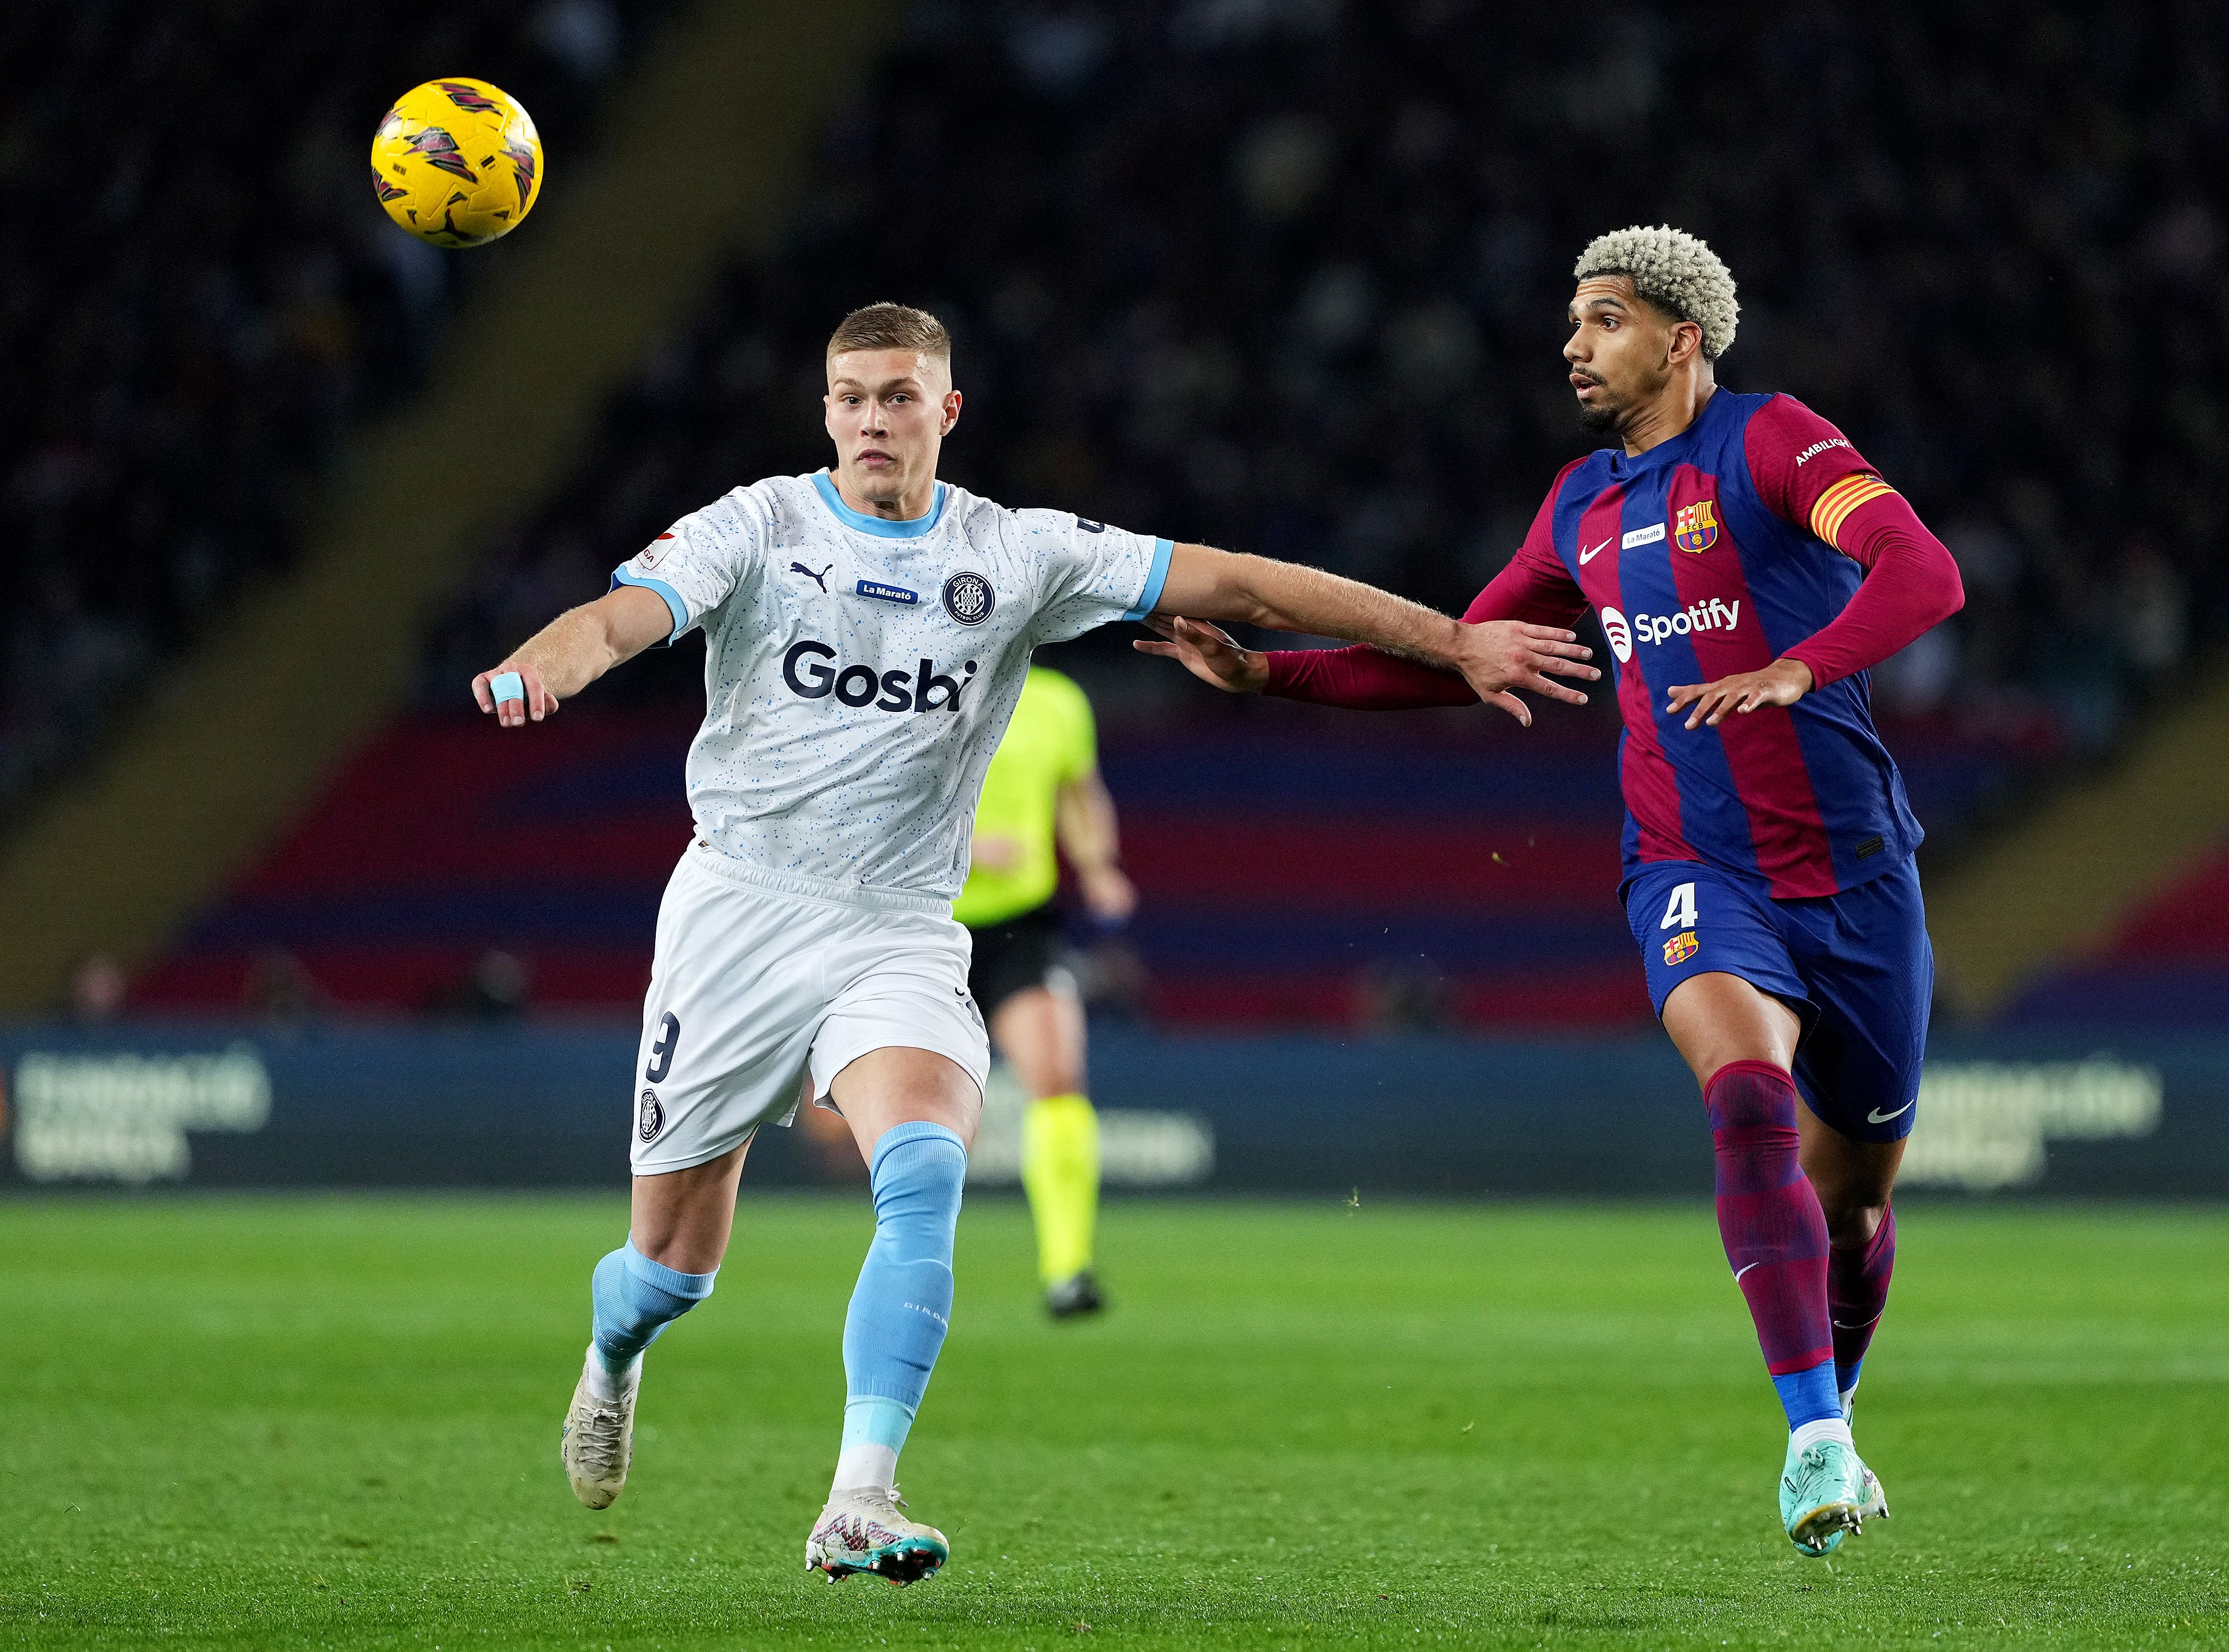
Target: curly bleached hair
[{"x": 1676, "y": 272}]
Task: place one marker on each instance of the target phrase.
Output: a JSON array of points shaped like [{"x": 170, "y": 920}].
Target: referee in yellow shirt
[{"x": 1044, "y": 790}]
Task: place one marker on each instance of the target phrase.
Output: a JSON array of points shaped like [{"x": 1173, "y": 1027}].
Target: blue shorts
[{"x": 1858, "y": 968}]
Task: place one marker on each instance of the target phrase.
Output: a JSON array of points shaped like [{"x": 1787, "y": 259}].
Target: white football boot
[
  {"x": 598, "y": 1444},
  {"x": 1875, "y": 1504},
  {"x": 861, "y": 1530}
]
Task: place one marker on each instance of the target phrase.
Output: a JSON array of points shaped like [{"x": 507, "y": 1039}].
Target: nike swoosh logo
[
  {"x": 1878, "y": 1117},
  {"x": 1753, "y": 1264},
  {"x": 1586, "y": 556}
]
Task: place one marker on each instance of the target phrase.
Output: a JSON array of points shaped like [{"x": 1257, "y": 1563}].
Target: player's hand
[
  {"x": 1782, "y": 682},
  {"x": 1502, "y": 654},
  {"x": 1108, "y": 894},
  {"x": 1208, "y": 651},
  {"x": 539, "y": 702}
]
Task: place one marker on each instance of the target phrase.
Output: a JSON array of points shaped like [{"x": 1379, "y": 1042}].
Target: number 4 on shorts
[{"x": 1680, "y": 908}]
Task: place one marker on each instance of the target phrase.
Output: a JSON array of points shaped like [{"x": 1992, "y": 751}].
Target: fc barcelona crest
[
  {"x": 1696, "y": 526},
  {"x": 1680, "y": 948}
]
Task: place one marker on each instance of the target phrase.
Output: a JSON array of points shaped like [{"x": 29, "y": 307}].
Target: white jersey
[{"x": 858, "y": 673}]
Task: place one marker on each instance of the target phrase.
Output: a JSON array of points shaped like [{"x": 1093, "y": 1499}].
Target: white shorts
[{"x": 757, "y": 989}]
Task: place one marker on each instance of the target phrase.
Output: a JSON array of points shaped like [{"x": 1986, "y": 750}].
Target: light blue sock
[
  {"x": 635, "y": 1299},
  {"x": 903, "y": 1304}
]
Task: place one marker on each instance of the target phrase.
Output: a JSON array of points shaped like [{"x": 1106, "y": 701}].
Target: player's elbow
[
  {"x": 625, "y": 621},
  {"x": 1945, "y": 587},
  {"x": 1922, "y": 569}
]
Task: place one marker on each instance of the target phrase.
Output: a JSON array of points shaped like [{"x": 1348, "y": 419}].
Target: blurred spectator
[
  {"x": 1292, "y": 277},
  {"x": 99, "y": 988},
  {"x": 1405, "y": 995},
  {"x": 1112, "y": 978},
  {"x": 583, "y": 35},
  {"x": 198, "y": 294},
  {"x": 496, "y": 988},
  {"x": 280, "y": 990},
  {"x": 2153, "y": 603}
]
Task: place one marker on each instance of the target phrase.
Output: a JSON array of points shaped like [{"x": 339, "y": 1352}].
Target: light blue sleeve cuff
[
  {"x": 1156, "y": 577},
  {"x": 674, "y": 605}
]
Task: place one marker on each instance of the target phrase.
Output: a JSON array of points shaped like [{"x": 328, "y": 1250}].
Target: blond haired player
[
  {"x": 1749, "y": 567},
  {"x": 1042, "y": 799},
  {"x": 868, "y": 629}
]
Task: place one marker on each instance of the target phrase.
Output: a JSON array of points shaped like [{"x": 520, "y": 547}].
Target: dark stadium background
[
  {"x": 319, "y": 996},
  {"x": 276, "y": 480}
]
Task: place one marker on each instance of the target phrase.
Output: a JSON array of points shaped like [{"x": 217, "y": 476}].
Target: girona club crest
[{"x": 1696, "y": 526}]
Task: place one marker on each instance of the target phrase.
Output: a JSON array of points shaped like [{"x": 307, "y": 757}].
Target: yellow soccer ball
[{"x": 457, "y": 162}]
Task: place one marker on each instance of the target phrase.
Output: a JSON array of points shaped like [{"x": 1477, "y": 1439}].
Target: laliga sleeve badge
[
  {"x": 969, "y": 599},
  {"x": 649, "y": 1116},
  {"x": 1680, "y": 948}
]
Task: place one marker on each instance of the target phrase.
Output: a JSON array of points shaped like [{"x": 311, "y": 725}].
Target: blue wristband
[{"x": 507, "y": 687}]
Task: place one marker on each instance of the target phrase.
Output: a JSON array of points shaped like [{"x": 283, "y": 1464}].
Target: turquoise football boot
[{"x": 1824, "y": 1492}]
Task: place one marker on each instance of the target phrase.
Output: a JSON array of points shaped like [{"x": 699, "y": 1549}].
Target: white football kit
[{"x": 858, "y": 674}]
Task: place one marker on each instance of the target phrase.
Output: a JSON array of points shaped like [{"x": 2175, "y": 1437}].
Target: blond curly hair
[{"x": 1676, "y": 272}]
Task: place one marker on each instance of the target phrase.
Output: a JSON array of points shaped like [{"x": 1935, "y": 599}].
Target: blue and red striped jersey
[{"x": 1709, "y": 555}]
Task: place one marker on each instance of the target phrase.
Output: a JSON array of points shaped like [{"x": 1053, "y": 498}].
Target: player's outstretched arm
[
  {"x": 1494, "y": 657},
  {"x": 571, "y": 651}
]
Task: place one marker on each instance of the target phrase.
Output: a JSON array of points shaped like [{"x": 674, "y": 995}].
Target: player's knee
[
  {"x": 1853, "y": 1218},
  {"x": 635, "y": 1296},
  {"x": 918, "y": 1171},
  {"x": 1852, "y": 1186},
  {"x": 1748, "y": 1096}
]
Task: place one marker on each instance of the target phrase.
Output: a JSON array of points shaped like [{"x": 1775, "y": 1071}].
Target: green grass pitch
[{"x": 333, "y": 1421}]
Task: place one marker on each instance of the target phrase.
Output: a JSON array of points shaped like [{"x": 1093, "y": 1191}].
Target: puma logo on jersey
[
  {"x": 819, "y": 579},
  {"x": 809, "y": 670}
]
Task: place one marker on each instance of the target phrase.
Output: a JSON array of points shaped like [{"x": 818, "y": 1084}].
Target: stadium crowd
[
  {"x": 197, "y": 295},
  {"x": 1283, "y": 276},
  {"x": 1290, "y": 277}
]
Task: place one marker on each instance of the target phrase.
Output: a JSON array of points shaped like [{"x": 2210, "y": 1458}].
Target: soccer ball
[{"x": 457, "y": 162}]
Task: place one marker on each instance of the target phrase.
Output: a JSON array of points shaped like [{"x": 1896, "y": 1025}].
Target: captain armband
[{"x": 1836, "y": 505}]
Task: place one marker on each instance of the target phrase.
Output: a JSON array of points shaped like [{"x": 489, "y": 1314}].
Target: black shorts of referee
[{"x": 1025, "y": 950}]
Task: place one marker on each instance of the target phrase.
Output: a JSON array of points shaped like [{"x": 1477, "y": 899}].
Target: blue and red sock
[
  {"x": 1775, "y": 1233},
  {"x": 1857, "y": 1292}
]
